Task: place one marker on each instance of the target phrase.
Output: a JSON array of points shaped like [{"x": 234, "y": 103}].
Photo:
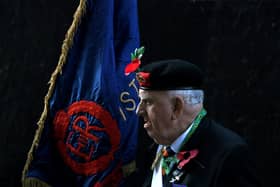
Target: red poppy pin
[
  {"x": 185, "y": 156},
  {"x": 135, "y": 61}
]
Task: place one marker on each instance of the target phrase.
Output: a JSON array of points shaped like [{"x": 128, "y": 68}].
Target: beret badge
[{"x": 143, "y": 79}]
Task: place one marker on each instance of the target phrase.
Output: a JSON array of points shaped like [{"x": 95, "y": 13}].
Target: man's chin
[{"x": 155, "y": 139}]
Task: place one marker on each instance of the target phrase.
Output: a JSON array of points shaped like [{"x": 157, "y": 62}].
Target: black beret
[{"x": 170, "y": 74}]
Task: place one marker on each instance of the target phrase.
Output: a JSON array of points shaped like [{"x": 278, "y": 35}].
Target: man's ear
[{"x": 178, "y": 107}]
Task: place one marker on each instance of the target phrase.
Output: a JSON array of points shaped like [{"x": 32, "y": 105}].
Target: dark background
[{"x": 236, "y": 43}]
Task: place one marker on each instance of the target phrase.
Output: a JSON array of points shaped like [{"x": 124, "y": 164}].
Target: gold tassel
[
  {"x": 33, "y": 182},
  {"x": 67, "y": 43}
]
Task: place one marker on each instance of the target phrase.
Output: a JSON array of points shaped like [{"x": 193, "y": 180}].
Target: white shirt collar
[{"x": 176, "y": 145}]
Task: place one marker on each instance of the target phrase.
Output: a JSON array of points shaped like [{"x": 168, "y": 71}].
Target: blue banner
[{"x": 90, "y": 132}]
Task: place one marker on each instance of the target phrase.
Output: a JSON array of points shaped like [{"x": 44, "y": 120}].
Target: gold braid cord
[{"x": 67, "y": 43}]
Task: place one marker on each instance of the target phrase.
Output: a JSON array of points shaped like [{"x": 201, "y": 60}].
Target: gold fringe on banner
[{"x": 67, "y": 43}]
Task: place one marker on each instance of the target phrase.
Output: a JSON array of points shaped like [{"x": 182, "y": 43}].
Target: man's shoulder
[{"x": 221, "y": 135}]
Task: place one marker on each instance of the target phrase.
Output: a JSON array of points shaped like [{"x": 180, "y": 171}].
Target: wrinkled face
[{"x": 156, "y": 108}]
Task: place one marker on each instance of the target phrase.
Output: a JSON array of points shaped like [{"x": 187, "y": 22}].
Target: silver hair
[{"x": 191, "y": 97}]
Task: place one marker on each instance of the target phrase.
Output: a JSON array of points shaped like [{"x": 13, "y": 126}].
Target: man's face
[{"x": 156, "y": 108}]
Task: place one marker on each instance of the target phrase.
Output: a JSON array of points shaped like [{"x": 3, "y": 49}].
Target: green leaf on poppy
[{"x": 133, "y": 57}]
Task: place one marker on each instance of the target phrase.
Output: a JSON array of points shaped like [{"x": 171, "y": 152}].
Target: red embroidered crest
[{"x": 78, "y": 133}]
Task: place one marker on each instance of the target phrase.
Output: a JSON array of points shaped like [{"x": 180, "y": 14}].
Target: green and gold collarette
[{"x": 173, "y": 159}]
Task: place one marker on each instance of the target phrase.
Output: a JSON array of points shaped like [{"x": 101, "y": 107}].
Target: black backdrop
[{"x": 236, "y": 43}]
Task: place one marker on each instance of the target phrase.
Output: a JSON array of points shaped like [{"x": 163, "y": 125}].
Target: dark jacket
[{"x": 223, "y": 160}]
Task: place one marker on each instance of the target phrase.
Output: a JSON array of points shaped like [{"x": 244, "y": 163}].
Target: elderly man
[{"x": 192, "y": 149}]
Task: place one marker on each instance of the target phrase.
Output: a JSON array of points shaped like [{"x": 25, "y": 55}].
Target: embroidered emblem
[
  {"x": 79, "y": 133},
  {"x": 143, "y": 79}
]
